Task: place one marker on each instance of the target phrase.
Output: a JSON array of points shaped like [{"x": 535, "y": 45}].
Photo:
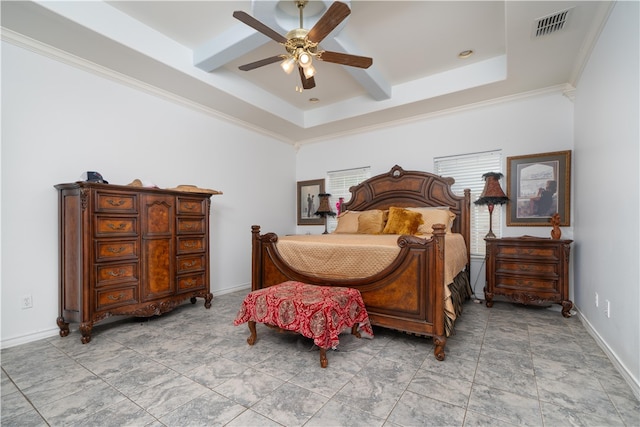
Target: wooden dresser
[
  {"x": 128, "y": 250},
  {"x": 529, "y": 270}
]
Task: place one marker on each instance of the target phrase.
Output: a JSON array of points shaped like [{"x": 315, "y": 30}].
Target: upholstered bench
[{"x": 317, "y": 312}]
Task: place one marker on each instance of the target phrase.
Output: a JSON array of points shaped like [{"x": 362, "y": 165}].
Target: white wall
[
  {"x": 59, "y": 121},
  {"x": 607, "y": 187}
]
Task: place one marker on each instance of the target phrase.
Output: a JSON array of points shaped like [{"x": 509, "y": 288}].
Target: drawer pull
[
  {"x": 190, "y": 206},
  {"x": 115, "y": 203},
  {"x": 119, "y": 227},
  {"x": 116, "y": 297},
  {"x": 190, "y": 283},
  {"x": 188, "y": 226},
  {"x": 525, "y": 268},
  {"x": 188, "y": 264},
  {"x": 116, "y": 250},
  {"x": 526, "y": 251},
  {"x": 190, "y": 244},
  {"x": 118, "y": 273}
]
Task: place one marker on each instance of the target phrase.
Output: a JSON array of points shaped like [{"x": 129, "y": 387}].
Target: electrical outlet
[
  {"x": 26, "y": 301},
  {"x": 597, "y": 300},
  {"x": 607, "y": 310}
]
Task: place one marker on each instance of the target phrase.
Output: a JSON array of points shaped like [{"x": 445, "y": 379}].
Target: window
[
  {"x": 467, "y": 170},
  {"x": 338, "y": 184}
]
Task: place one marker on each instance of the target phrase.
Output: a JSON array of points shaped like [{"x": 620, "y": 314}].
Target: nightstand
[{"x": 529, "y": 270}]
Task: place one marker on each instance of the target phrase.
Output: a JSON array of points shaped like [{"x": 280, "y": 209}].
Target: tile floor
[{"x": 508, "y": 365}]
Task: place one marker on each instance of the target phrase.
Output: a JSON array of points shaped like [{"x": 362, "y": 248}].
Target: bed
[{"x": 415, "y": 290}]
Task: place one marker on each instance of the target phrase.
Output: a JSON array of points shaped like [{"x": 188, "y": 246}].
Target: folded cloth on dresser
[{"x": 348, "y": 256}]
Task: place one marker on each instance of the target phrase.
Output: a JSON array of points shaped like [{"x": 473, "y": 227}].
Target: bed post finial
[{"x": 396, "y": 171}]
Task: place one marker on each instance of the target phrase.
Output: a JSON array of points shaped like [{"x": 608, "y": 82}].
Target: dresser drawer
[
  {"x": 191, "y": 263},
  {"x": 191, "y": 282},
  {"x": 526, "y": 267},
  {"x": 114, "y": 202},
  {"x": 111, "y": 250},
  {"x": 191, "y": 244},
  {"x": 190, "y": 225},
  {"x": 114, "y": 226},
  {"x": 191, "y": 206},
  {"x": 112, "y": 298},
  {"x": 111, "y": 274}
]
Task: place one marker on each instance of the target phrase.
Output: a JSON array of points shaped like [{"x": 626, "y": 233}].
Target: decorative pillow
[
  {"x": 434, "y": 215},
  {"x": 402, "y": 221},
  {"x": 347, "y": 222},
  {"x": 372, "y": 221}
]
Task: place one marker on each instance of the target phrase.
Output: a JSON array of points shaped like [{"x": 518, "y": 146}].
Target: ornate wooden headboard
[{"x": 402, "y": 188}]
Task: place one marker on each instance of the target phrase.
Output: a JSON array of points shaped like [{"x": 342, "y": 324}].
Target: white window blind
[
  {"x": 338, "y": 184},
  {"x": 467, "y": 170}
]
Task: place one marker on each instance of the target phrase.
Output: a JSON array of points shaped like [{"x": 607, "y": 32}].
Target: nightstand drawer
[
  {"x": 526, "y": 283},
  {"x": 523, "y": 252},
  {"x": 526, "y": 268}
]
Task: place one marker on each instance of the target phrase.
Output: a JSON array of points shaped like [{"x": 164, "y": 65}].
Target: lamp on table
[
  {"x": 492, "y": 195},
  {"x": 324, "y": 210}
]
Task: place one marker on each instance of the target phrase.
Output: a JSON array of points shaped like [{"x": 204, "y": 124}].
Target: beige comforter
[{"x": 341, "y": 256}]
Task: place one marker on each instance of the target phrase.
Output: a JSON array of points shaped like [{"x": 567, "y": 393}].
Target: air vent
[{"x": 550, "y": 24}]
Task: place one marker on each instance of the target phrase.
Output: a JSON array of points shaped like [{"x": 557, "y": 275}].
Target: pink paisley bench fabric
[{"x": 317, "y": 312}]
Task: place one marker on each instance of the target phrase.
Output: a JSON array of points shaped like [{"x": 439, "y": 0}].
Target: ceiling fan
[{"x": 302, "y": 45}]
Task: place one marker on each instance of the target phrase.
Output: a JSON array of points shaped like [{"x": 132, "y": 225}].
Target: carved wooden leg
[
  {"x": 254, "y": 336},
  {"x": 323, "y": 358},
  {"x": 488, "y": 296},
  {"x": 207, "y": 300},
  {"x": 566, "y": 308},
  {"x": 438, "y": 351},
  {"x": 64, "y": 326},
  {"x": 354, "y": 330},
  {"x": 85, "y": 330}
]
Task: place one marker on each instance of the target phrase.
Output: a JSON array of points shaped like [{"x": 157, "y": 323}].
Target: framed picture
[
  {"x": 539, "y": 185},
  {"x": 308, "y": 202}
]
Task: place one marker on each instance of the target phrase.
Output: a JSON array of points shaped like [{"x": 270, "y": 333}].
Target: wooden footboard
[{"x": 407, "y": 296}]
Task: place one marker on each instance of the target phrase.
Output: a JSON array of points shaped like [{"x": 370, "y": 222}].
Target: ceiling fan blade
[
  {"x": 262, "y": 62},
  {"x": 346, "y": 59},
  {"x": 336, "y": 13},
  {"x": 259, "y": 26},
  {"x": 307, "y": 83}
]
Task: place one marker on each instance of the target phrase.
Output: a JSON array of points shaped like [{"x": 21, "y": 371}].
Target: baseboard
[
  {"x": 620, "y": 367},
  {"x": 24, "y": 339}
]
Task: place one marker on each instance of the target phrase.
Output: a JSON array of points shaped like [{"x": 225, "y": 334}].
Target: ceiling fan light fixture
[
  {"x": 309, "y": 71},
  {"x": 288, "y": 64},
  {"x": 304, "y": 58}
]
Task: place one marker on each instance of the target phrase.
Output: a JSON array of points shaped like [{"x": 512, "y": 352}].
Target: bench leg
[
  {"x": 354, "y": 331},
  {"x": 323, "y": 358},
  {"x": 252, "y": 328}
]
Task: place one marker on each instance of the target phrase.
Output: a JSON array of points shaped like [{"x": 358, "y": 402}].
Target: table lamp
[
  {"x": 492, "y": 195},
  {"x": 324, "y": 210}
]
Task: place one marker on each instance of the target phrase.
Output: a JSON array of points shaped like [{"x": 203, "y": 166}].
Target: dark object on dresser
[
  {"x": 129, "y": 251},
  {"x": 529, "y": 270}
]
